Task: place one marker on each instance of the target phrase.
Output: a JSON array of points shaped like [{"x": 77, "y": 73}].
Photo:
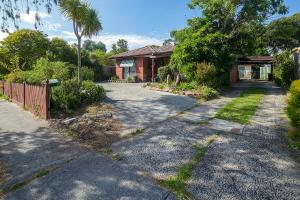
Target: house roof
[
  {"x": 256, "y": 60},
  {"x": 147, "y": 51}
]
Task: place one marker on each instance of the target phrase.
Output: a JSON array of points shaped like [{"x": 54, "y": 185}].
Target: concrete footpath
[{"x": 27, "y": 146}]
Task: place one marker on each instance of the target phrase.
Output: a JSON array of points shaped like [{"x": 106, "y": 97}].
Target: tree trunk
[
  {"x": 79, "y": 58},
  {"x": 177, "y": 79}
]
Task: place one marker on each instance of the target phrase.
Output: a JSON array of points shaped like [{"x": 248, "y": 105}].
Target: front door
[{"x": 129, "y": 72}]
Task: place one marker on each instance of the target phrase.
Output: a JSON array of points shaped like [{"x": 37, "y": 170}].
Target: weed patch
[{"x": 178, "y": 183}]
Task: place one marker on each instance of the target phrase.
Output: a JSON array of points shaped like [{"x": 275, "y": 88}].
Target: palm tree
[{"x": 85, "y": 22}]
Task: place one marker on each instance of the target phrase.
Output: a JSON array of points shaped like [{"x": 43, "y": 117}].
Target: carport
[{"x": 255, "y": 68}]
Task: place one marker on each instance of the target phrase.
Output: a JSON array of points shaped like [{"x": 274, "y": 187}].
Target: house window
[{"x": 129, "y": 67}]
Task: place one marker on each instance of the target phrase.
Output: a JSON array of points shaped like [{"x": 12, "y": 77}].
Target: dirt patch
[{"x": 93, "y": 125}]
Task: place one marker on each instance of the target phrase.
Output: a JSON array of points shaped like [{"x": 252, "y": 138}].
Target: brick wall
[
  {"x": 139, "y": 68},
  {"x": 119, "y": 70},
  {"x": 234, "y": 75}
]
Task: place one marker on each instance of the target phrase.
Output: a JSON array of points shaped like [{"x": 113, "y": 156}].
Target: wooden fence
[{"x": 32, "y": 97}]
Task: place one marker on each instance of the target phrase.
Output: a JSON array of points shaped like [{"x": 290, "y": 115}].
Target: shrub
[
  {"x": 206, "y": 74},
  {"x": 187, "y": 86},
  {"x": 66, "y": 96},
  {"x": 42, "y": 70},
  {"x": 284, "y": 69},
  {"x": 87, "y": 74},
  {"x": 17, "y": 76},
  {"x": 163, "y": 72},
  {"x": 208, "y": 93},
  {"x": 90, "y": 92},
  {"x": 293, "y": 107}
]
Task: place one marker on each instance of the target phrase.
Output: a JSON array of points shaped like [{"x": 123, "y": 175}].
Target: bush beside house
[{"x": 293, "y": 108}]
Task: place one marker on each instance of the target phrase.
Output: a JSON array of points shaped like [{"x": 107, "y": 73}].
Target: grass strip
[
  {"x": 242, "y": 108},
  {"x": 178, "y": 183}
]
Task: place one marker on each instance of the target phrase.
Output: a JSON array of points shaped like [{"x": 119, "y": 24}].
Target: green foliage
[
  {"x": 225, "y": 30},
  {"x": 208, "y": 93},
  {"x": 66, "y": 96},
  {"x": 163, "y": 72},
  {"x": 42, "y": 70},
  {"x": 120, "y": 47},
  {"x": 90, "y": 45},
  {"x": 284, "y": 33},
  {"x": 241, "y": 109},
  {"x": 187, "y": 86},
  {"x": 60, "y": 50},
  {"x": 24, "y": 47},
  {"x": 206, "y": 74},
  {"x": 87, "y": 74},
  {"x": 293, "y": 108},
  {"x": 284, "y": 69},
  {"x": 90, "y": 92}
]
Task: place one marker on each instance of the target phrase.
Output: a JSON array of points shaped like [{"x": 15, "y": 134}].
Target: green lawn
[{"x": 242, "y": 108}]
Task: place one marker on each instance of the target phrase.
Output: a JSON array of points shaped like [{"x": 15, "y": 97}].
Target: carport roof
[{"x": 256, "y": 60}]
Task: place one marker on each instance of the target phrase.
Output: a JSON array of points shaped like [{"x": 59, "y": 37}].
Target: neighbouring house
[
  {"x": 253, "y": 67},
  {"x": 142, "y": 64}
]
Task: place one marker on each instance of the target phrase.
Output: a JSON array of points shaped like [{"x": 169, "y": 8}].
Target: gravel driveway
[
  {"x": 138, "y": 107},
  {"x": 250, "y": 164}
]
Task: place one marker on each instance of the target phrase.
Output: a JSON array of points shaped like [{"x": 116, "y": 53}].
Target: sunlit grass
[{"x": 243, "y": 107}]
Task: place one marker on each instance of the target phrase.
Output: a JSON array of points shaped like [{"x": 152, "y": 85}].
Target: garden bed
[
  {"x": 93, "y": 125},
  {"x": 185, "y": 89}
]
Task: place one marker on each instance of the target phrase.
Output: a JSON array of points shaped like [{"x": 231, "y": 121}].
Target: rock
[
  {"x": 69, "y": 121},
  {"x": 98, "y": 116}
]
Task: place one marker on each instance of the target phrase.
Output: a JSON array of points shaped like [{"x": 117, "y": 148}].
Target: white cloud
[
  {"x": 134, "y": 41},
  {"x": 30, "y": 18},
  {"x": 3, "y": 35},
  {"x": 52, "y": 26}
]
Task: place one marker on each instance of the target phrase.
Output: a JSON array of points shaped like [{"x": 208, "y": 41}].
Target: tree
[
  {"x": 60, "y": 50},
  {"x": 119, "y": 47},
  {"x": 168, "y": 42},
  {"x": 284, "y": 33},
  {"x": 85, "y": 22},
  {"x": 90, "y": 45},
  {"x": 225, "y": 30},
  {"x": 24, "y": 47}
]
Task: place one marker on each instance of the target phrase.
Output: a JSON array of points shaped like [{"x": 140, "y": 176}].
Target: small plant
[
  {"x": 66, "y": 96},
  {"x": 114, "y": 78},
  {"x": 117, "y": 157},
  {"x": 90, "y": 92},
  {"x": 208, "y": 93},
  {"x": 130, "y": 79}
]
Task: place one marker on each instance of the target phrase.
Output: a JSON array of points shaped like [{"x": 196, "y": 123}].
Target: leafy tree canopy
[
  {"x": 120, "y": 46},
  {"x": 226, "y": 29},
  {"x": 284, "y": 33},
  {"x": 24, "y": 47},
  {"x": 90, "y": 45},
  {"x": 60, "y": 50}
]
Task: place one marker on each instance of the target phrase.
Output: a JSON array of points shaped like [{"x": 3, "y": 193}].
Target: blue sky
[{"x": 141, "y": 22}]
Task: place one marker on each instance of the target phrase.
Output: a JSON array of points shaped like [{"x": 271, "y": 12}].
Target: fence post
[
  {"x": 47, "y": 88},
  {"x": 11, "y": 92},
  {"x": 24, "y": 93}
]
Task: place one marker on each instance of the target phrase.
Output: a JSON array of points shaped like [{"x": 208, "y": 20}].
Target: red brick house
[{"x": 142, "y": 64}]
